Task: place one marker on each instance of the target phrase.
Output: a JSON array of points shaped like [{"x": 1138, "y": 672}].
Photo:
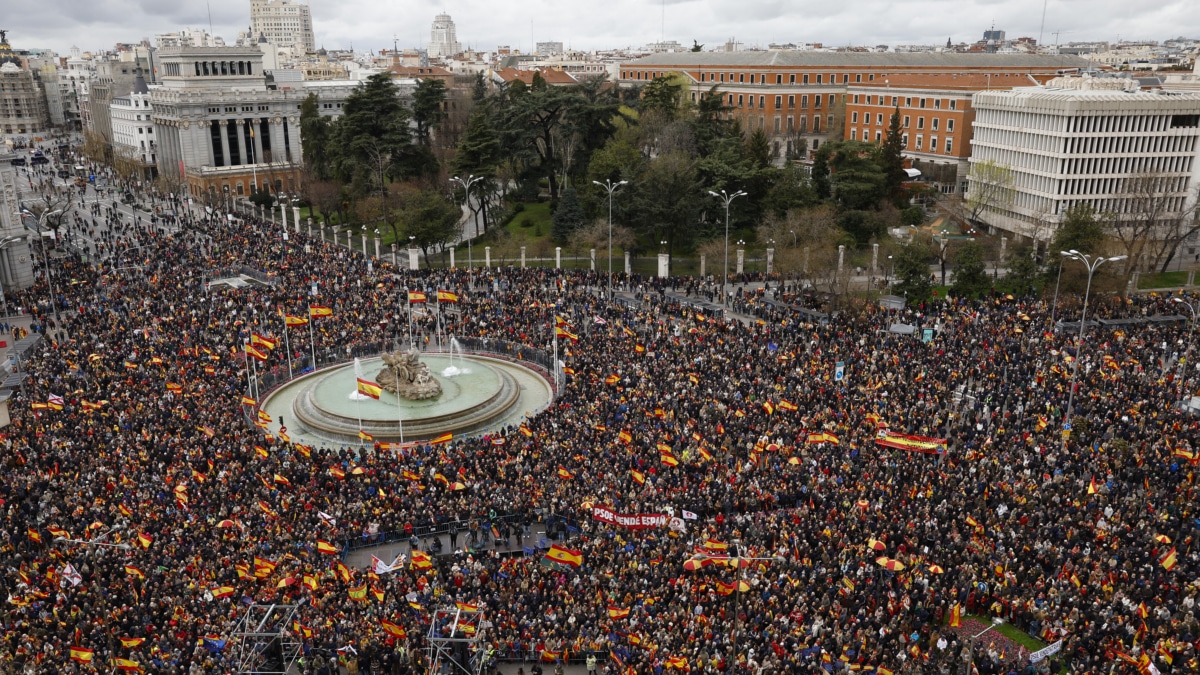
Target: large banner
[
  {"x": 633, "y": 521},
  {"x": 925, "y": 444}
]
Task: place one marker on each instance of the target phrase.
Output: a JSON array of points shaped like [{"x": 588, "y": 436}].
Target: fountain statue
[{"x": 407, "y": 377}]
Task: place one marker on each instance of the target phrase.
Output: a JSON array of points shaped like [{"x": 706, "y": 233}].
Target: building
[
  {"x": 133, "y": 140},
  {"x": 283, "y": 22},
  {"x": 224, "y": 129},
  {"x": 764, "y": 89},
  {"x": 552, "y": 77},
  {"x": 545, "y": 49},
  {"x": 936, "y": 118},
  {"x": 22, "y": 97},
  {"x": 443, "y": 38},
  {"x": 16, "y": 259},
  {"x": 188, "y": 37},
  {"x": 1087, "y": 141}
]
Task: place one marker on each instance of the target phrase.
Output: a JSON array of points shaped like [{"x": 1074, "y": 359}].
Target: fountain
[
  {"x": 424, "y": 396},
  {"x": 460, "y": 369}
]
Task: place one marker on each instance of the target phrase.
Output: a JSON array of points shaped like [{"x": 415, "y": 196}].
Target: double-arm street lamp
[
  {"x": 726, "y": 199},
  {"x": 610, "y": 187},
  {"x": 1092, "y": 264},
  {"x": 1187, "y": 356},
  {"x": 41, "y": 222},
  {"x": 466, "y": 185}
]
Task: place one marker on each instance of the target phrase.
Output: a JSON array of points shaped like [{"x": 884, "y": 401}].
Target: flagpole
[
  {"x": 312, "y": 341},
  {"x": 287, "y": 344},
  {"x": 554, "y": 366},
  {"x": 400, "y": 416},
  {"x": 249, "y": 383},
  {"x": 408, "y": 295}
]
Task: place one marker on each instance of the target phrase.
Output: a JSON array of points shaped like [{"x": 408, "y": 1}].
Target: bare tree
[
  {"x": 1157, "y": 217},
  {"x": 989, "y": 187}
]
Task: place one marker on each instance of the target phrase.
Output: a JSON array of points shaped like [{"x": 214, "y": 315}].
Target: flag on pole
[
  {"x": 447, "y": 296},
  {"x": 369, "y": 388},
  {"x": 416, "y": 297},
  {"x": 259, "y": 340},
  {"x": 294, "y": 321},
  {"x": 319, "y": 310}
]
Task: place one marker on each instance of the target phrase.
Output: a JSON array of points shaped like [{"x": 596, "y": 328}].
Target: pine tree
[
  {"x": 891, "y": 158},
  {"x": 970, "y": 275},
  {"x": 820, "y": 173},
  {"x": 568, "y": 217}
]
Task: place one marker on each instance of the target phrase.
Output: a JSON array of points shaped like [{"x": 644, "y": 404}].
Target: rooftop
[
  {"x": 783, "y": 59},
  {"x": 966, "y": 82}
]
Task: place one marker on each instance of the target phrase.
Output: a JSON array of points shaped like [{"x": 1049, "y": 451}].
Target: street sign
[{"x": 840, "y": 372}]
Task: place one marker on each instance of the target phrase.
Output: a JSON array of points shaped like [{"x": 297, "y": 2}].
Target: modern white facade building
[
  {"x": 283, "y": 22},
  {"x": 443, "y": 38},
  {"x": 133, "y": 128},
  {"x": 1089, "y": 141}
]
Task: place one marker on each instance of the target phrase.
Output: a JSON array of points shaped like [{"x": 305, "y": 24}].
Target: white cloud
[{"x": 370, "y": 24}]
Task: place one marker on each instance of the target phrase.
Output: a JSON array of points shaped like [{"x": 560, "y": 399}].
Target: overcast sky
[{"x": 483, "y": 24}]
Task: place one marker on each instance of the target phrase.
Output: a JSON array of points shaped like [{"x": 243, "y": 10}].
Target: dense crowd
[{"x": 742, "y": 425}]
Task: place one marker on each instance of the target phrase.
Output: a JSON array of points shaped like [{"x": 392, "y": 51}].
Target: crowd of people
[{"x": 144, "y": 511}]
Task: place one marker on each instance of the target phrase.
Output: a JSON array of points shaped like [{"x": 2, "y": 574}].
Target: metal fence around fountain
[{"x": 276, "y": 376}]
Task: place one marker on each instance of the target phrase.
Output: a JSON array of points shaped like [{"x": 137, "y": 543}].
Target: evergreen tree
[
  {"x": 1022, "y": 277},
  {"x": 662, "y": 94},
  {"x": 314, "y": 129},
  {"x": 970, "y": 276},
  {"x": 1080, "y": 230},
  {"x": 428, "y": 107},
  {"x": 758, "y": 149},
  {"x": 912, "y": 273},
  {"x": 568, "y": 217},
  {"x": 891, "y": 159},
  {"x": 820, "y": 173}
]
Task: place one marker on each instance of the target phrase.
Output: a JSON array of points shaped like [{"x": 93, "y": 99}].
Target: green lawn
[{"x": 1162, "y": 280}]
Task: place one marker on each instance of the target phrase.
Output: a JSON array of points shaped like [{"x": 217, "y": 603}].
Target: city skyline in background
[{"x": 367, "y": 26}]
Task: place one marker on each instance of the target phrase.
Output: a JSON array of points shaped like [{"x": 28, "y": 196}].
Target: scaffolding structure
[
  {"x": 262, "y": 642},
  {"x": 455, "y": 638}
]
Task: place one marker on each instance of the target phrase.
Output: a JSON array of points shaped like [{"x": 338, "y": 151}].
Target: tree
[
  {"x": 478, "y": 154},
  {"x": 697, "y": 47},
  {"x": 371, "y": 143},
  {"x": 758, "y": 149},
  {"x": 428, "y": 107},
  {"x": 665, "y": 203},
  {"x": 568, "y": 217},
  {"x": 989, "y": 187},
  {"x": 662, "y": 94},
  {"x": 1080, "y": 230},
  {"x": 314, "y": 129},
  {"x": 430, "y": 217},
  {"x": 912, "y": 272},
  {"x": 1022, "y": 277},
  {"x": 532, "y": 123},
  {"x": 857, "y": 181},
  {"x": 820, "y": 173},
  {"x": 1154, "y": 221},
  {"x": 891, "y": 160},
  {"x": 970, "y": 274}
]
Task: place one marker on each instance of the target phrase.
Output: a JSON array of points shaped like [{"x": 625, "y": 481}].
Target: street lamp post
[
  {"x": 1091, "y": 263},
  {"x": 471, "y": 180},
  {"x": 5, "y": 243},
  {"x": 996, "y": 621},
  {"x": 1054, "y": 308},
  {"x": 1187, "y": 356},
  {"x": 726, "y": 199},
  {"x": 41, "y": 221},
  {"x": 610, "y": 187}
]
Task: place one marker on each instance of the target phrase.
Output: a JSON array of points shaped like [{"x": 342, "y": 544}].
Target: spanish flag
[
  {"x": 564, "y": 474},
  {"x": 612, "y": 379},
  {"x": 714, "y": 545},
  {"x": 617, "y": 612},
  {"x": 1169, "y": 560},
  {"x": 145, "y": 540},
  {"x": 246, "y": 400},
  {"x": 768, "y": 407},
  {"x": 326, "y": 547},
  {"x": 625, "y": 437},
  {"x": 466, "y": 608},
  {"x": 253, "y": 351},
  {"x": 134, "y": 571},
  {"x": 364, "y": 436},
  {"x": 639, "y": 476},
  {"x": 668, "y": 459},
  {"x": 1092, "y": 487},
  {"x": 955, "y": 616},
  {"x": 565, "y": 556},
  {"x": 294, "y": 321},
  {"x": 421, "y": 560},
  {"x": 319, "y": 310},
  {"x": 34, "y": 535},
  {"x": 310, "y": 581},
  {"x": 785, "y": 404},
  {"x": 677, "y": 663},
  {"x": 444, "y": 438},
  {"x": 369, "y": 388},
  {"x": 447, "y": 296},
  {"x": 416, "y": 297},
  {"x": 222, "y": 591},
  {"x": 395, "y": 630},
  {"x": 256, "y": 339},
  {"x": 81, "y": 654},
  {"x": 561, "y": 332},
  {"x": 131, "y": 643}
]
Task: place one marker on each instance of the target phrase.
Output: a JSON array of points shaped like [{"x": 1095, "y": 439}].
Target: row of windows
[
  {"x": 933, "y": 141},
  {"x": 880, "y": 119},
  {"x": 936, "y": 103},
  {"x": 743, "y": 99},
  {"x": 758, "y": 78},
  {"x": 217, "y": 68}
]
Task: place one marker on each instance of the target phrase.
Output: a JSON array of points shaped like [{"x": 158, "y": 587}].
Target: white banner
[{"x": 1046, "y": 651}]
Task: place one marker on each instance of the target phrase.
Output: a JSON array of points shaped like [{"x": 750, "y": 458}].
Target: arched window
[{"x": 197, "y": 64}]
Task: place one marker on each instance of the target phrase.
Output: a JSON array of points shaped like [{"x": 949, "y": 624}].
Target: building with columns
[
  {"x": 224, "y": 128},
  {"x": 16, "y": 258}
]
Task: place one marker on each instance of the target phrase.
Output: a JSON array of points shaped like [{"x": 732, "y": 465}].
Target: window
[
  {"x": 908, "y": 102},
  {"x": 806, "y": 78},
  {"x": 933, "y": 124},
  {"x": 854, "y": 134},
  {"x": 906, "y": 121},
  {"x": 742, "y": 78},
  {"x": 792, "y": 78},
  {"x": 878, "y": 135},
  {"x": 791, "y": 101},
  {"x": 778, "y": 102},
  {"x": 922, "y": 103},
  {"x": 804, "y": 102},
  {"x": 741, "y": 100},
  {"x": 817, "y": 101},
  {"x": 778, "y": 124},
  {"x": 949, "y": 145},
  {"x": 879, "y": 119},
  {"x": 920, "y": 123},
  {"x": 895, "y": 101},
  {"x": 933, "y": 143},
  {"x": 779, "y": 79},
  {"x": 762, "y": 103},
  {"x": 854, "y": 117},
  {"x": 952, "y": 104},
  {"x": 918, "y": 141},
  {"x": 722, "y": 77},
  {"x": 791, "y": 122},
  {"x": 702, "y": 76},
  {"x": 904, "y": 140},
  {"x": 937, "y": 104},
  {"x": 858, "y": 77},
  {"x": 816, "y": 125},
  {"x": 819, "y": 76},
  {"x": 950, "y": 124}
]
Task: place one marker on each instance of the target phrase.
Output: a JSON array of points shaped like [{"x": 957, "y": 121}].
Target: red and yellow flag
[
  {"x": 81, "y": 654},
  {"x": 319, "y": 310},
  {"x": 369, "y": 388},
  {"x": 416, "y": 297},
  {"x": 565, "y": 556},
  {"x": 326, "y": 547},
  {"x": 447, "y": 296}
]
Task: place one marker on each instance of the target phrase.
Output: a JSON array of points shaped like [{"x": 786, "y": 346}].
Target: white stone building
[
  {"x": 222, "y": 130},
  {"x": 1083, "y": 141},
  {"x": 133, "y": 128},
  {"x": 443, "y": 38},
  {"x": 283, "y": 22}
]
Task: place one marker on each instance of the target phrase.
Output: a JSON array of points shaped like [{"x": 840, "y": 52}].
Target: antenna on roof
[
  {"x": 1042, "y": 30},
  {"x": 210, "y": 27}
]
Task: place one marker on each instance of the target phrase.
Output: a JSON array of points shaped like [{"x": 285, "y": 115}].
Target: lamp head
[
  {"x": 714, "y": 194},
  {"x": 1120, "y": 257},
  {"x": 596, "y": 182}
]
